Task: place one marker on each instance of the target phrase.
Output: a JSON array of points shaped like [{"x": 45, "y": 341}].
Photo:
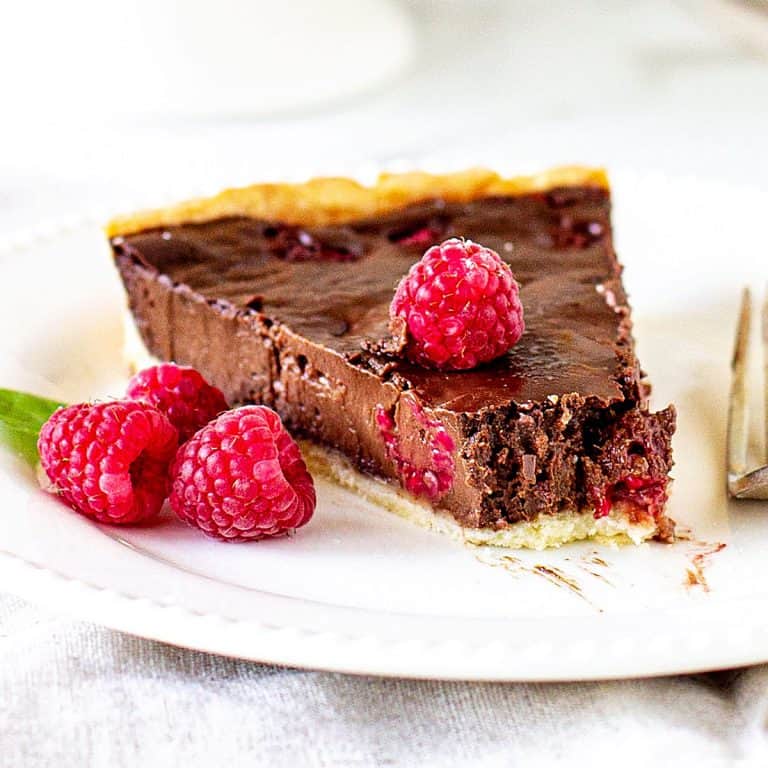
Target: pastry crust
[
  {"x": 326, "y": 201},
  {"x": 544, "y": 532}
]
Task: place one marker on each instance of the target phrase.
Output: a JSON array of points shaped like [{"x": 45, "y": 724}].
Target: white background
[{"x": 109, "y": 104}]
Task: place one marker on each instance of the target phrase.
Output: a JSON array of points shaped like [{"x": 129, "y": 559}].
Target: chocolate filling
[{"x": 293, "y": 316}]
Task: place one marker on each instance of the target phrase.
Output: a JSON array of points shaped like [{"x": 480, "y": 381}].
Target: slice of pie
[{"x": 279, "y": 294}]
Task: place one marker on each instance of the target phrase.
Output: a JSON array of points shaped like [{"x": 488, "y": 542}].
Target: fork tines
[{"x": 744, "y": 483}]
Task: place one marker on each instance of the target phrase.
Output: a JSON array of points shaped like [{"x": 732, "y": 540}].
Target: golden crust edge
[{"x": 326, "y": 201}]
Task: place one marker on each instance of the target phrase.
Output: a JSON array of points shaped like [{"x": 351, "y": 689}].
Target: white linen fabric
[{"x": 75, "y": 694}]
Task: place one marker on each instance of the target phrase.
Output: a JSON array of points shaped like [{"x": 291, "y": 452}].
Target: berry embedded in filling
[
  {"x": 419, "y": 234},
  {"x": 296, "y": 244},
  {"x": 573, "y": 233},
  {"x": 647, "y": 495},
  {"x": 427, "y": 467}
]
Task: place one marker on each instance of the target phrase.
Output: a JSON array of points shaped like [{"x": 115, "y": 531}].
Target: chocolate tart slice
[{"x": 279, "y": 294}]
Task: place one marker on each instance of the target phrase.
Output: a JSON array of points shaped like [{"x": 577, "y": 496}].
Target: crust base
[{"x": 546, "y": 532}]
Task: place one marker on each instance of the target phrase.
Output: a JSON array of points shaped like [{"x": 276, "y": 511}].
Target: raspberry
[
  {"x": 242, "y": 478},
  {"x": 461, "y": 306},
  {"x": 181, "y": 393},
  {"x": 426, "y": 468},
  {"x": 110, "y": 460}
]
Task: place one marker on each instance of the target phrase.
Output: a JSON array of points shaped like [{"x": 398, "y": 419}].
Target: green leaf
[{"x": 21, "y": 417}]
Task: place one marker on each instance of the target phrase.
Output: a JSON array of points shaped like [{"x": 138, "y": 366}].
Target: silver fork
[{"x": 744, "y": 483}]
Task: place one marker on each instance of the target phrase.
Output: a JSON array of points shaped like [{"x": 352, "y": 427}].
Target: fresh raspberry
[
  {"x": 181, "y": 393},
  {"x": 109, "y": 460},
  {"x": 461, "y": 306},
  {"x": 242, "y": 478},
  {"x": 426, "y": 467}
]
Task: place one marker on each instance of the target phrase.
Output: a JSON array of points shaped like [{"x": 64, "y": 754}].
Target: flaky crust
[{"x": 325, "y": 201}]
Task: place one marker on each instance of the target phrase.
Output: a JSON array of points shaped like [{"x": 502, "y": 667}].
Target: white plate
[{"x": 360, "y": 590}]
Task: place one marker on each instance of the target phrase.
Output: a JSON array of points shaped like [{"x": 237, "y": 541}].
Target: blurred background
[{"x": 107, "y": 105}]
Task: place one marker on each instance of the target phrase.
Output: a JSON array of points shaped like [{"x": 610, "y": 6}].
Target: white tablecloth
[{"x": 73, "y": 695}]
